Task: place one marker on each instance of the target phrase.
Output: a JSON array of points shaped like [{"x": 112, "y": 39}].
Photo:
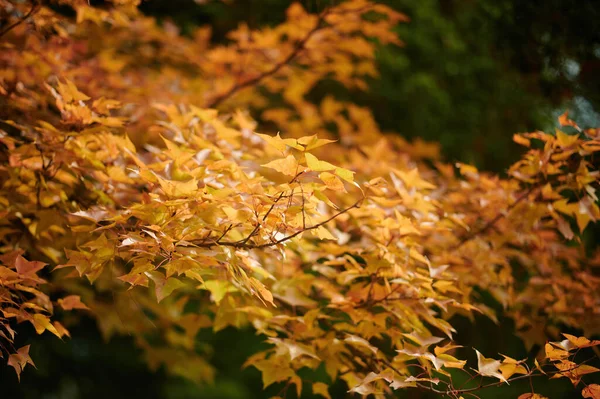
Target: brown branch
[
  {"x": 244, "y": 245},
  {"x": 451, "y": 391},
  {"x": 491, "y": 224},
  {"x": 255, "y": 80},
  {"x": 34, "y": 8}
]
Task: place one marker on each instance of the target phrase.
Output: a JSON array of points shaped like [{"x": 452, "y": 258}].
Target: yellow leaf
[
  {"x": 531, "y": 396},
  {"x": 489, "y": 367},
  {"x": 519, "y": 139},
  {"x": 581, "y": 342},
  {"x": 163, "y": 286},
  {"x": 566, "y": 140},
  {"x": 332, "y": 181},
  {"x": 218, "y": 289},
  {"x": 42, "y": 323},
  {"x": 176, "y": 189},
  {"x": 413, "y": 179},
  {"x": 361, "y": 342},
  {"x": 345, "y": 174},
  {"x": 274, "y": 369},
  {"x": 466, "y": 169},
  {"x": 553, "y": 353},
  {"x": 508, "y": 369},
  {"x": 288, "y": 165},
  {"x": 69, "y": 92},
  {"x": 323, "y": 234},
  {"x": 422, "y": 340},
  {"x": 320, "y": 388},
  {"x": 318, "y": 166}
]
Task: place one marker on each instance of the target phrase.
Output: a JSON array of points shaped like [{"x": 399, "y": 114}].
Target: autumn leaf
[
  {"x": 564, "y": 120},
  {"x": 163, "y": 287},
  {"x": 24, "y": 266},
  {"x": 531, "y": 396},
  {"x": 581, "y": 342},
  {"x": 288, "y": 165},
  {"x": 42, "y": 323},
  {"x": 72, "y": 302},
  {"x": 591, "y": 391},
  {"x": 320, "y": 388},
  {"x": 19, "y": 360},
  {"x": 489, "y": 367},
  {"x": 316, "y": 165},
  {"x": 554, "y": 353}
]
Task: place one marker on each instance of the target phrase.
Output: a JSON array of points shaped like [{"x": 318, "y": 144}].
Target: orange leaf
[
  {"x": 591, "y": 391},
  {"x": 20, "y": 359},
  {"x": 72, "y": 302}
]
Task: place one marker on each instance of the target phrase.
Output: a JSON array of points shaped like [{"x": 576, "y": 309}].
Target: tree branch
[
  {"x": 492, "y": 222},
  {"x": 255, "y": 80},
  {"x": 34, "y": 8},
  {"x": 245, "y": 245}
]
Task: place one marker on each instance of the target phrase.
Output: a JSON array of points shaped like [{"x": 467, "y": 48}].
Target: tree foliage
[{"x": 135, "y": 187}]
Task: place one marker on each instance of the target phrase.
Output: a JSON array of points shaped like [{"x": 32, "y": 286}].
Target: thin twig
[
  {"x": 255, "y": 80},
  {"x": 34, "y": 8},
  {"x": 245, "y": 245},
  {"x": 493, "y": 222}
]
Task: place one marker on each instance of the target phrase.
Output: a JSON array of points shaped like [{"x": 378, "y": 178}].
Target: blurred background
[{"x": 471, "y": 73}]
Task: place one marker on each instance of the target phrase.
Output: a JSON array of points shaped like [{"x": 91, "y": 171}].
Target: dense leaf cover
[{"x": 131, "y": 170}]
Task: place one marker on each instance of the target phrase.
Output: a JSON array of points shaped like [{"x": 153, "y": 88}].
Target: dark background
[{"x": 472, "y": 73}]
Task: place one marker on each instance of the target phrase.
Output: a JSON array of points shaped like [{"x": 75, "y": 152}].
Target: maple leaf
[
  {"x": 72, "y": 302},
  {"x": 163, "y": 287},
  {"x": 19, "y": 360},
  {"x": 591, "y": 391},
  {"x": 288, "y": 165},
  {"x": 316, "y": 165},
  {"x": 489, "y": 367},
  {"x": 24, "y": 266}
]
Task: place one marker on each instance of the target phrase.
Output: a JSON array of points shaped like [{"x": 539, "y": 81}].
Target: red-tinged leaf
[
  {"x": 591, "y": 391},
  {"x": 19, "y": 360},
  {"x": 72, "y": 302},
  {"x": 25, "y": 267},
  {"x": 564, "y": 120}
]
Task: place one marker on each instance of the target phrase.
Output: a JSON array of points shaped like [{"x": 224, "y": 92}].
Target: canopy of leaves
[{"x": 131, "y": 171}]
